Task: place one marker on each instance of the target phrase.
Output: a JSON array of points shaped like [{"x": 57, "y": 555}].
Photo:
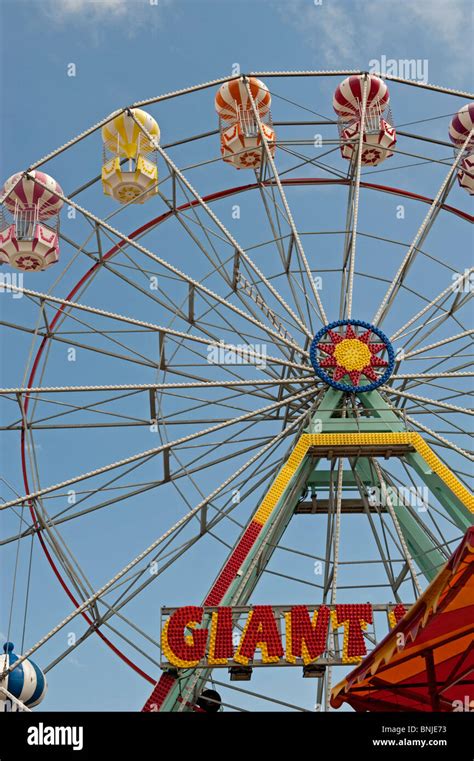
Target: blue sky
[{"x": 128, "y": 50}]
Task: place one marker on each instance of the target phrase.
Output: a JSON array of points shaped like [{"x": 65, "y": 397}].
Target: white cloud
[
  {"x": 62, "y": 9},
  {"x": 447, "y": 23},
  {"x": 136, "y": 13},
  {"x": 348, "y": 33},
  {"x": 326, "y": 29}
]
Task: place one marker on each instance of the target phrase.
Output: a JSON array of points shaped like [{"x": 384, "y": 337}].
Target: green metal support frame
[{"x": 328, "y": 419}]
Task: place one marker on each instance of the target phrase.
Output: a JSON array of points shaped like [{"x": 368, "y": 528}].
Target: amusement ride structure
[{"x": 250, "y": 400}]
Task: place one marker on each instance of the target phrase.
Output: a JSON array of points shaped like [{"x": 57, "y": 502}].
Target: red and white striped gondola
[
  {"x": 379, "y": 136},
  {"x": 466, "y": 174},
  {"x": 347, "y": 100},
  {"x": 26, "y": 242},
  {"x": 461, "y": 125},
  {"x": 376, "y": 143}
]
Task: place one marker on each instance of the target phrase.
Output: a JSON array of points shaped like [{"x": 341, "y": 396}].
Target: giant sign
[{"x": 200, "y": 637}]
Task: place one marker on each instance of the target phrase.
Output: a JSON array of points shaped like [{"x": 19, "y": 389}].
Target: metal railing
[
  {"x": 373, "y": 117},
  {"x": 245, "y": 117},
  {"x": 110, "y": 151},
  {"x": 26, "y": 220}
]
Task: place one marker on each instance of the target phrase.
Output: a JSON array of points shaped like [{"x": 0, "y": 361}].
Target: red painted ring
[{"x": 144, "y": 228}]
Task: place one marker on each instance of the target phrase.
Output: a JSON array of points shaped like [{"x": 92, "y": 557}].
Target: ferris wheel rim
[
  {"x": 222, "y": 194},
  {"x": 150, "y": 224}
]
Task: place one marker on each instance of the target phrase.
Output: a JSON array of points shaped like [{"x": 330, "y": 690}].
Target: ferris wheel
[{"x": 239, "y": 376}]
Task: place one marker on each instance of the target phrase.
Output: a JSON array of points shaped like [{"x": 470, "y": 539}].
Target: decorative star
[{"x": 351, "y": 354}]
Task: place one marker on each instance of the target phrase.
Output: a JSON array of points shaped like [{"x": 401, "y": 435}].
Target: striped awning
[{"x": 426, "y": 663}]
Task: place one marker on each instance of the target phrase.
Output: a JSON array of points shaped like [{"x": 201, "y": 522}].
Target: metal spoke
[{"x": 229, "y": 426}]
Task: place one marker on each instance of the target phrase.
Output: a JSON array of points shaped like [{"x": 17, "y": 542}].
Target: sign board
[{"x": 261, "y": 635}]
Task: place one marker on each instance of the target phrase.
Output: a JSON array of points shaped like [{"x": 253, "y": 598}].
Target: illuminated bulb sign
[{"x": 195, "y": 636}]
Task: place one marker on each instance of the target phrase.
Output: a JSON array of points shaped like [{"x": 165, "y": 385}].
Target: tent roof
[{"x": 431, "y": 664}]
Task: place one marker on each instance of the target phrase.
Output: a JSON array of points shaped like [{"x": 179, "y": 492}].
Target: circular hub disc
[{"x": 352, "y": 356}]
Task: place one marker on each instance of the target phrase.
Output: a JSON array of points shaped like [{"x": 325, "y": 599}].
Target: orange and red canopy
[{"x": 426, "y": 663}]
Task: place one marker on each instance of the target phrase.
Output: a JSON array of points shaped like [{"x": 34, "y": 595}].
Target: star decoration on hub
[{"x": 352, "y": 354}]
